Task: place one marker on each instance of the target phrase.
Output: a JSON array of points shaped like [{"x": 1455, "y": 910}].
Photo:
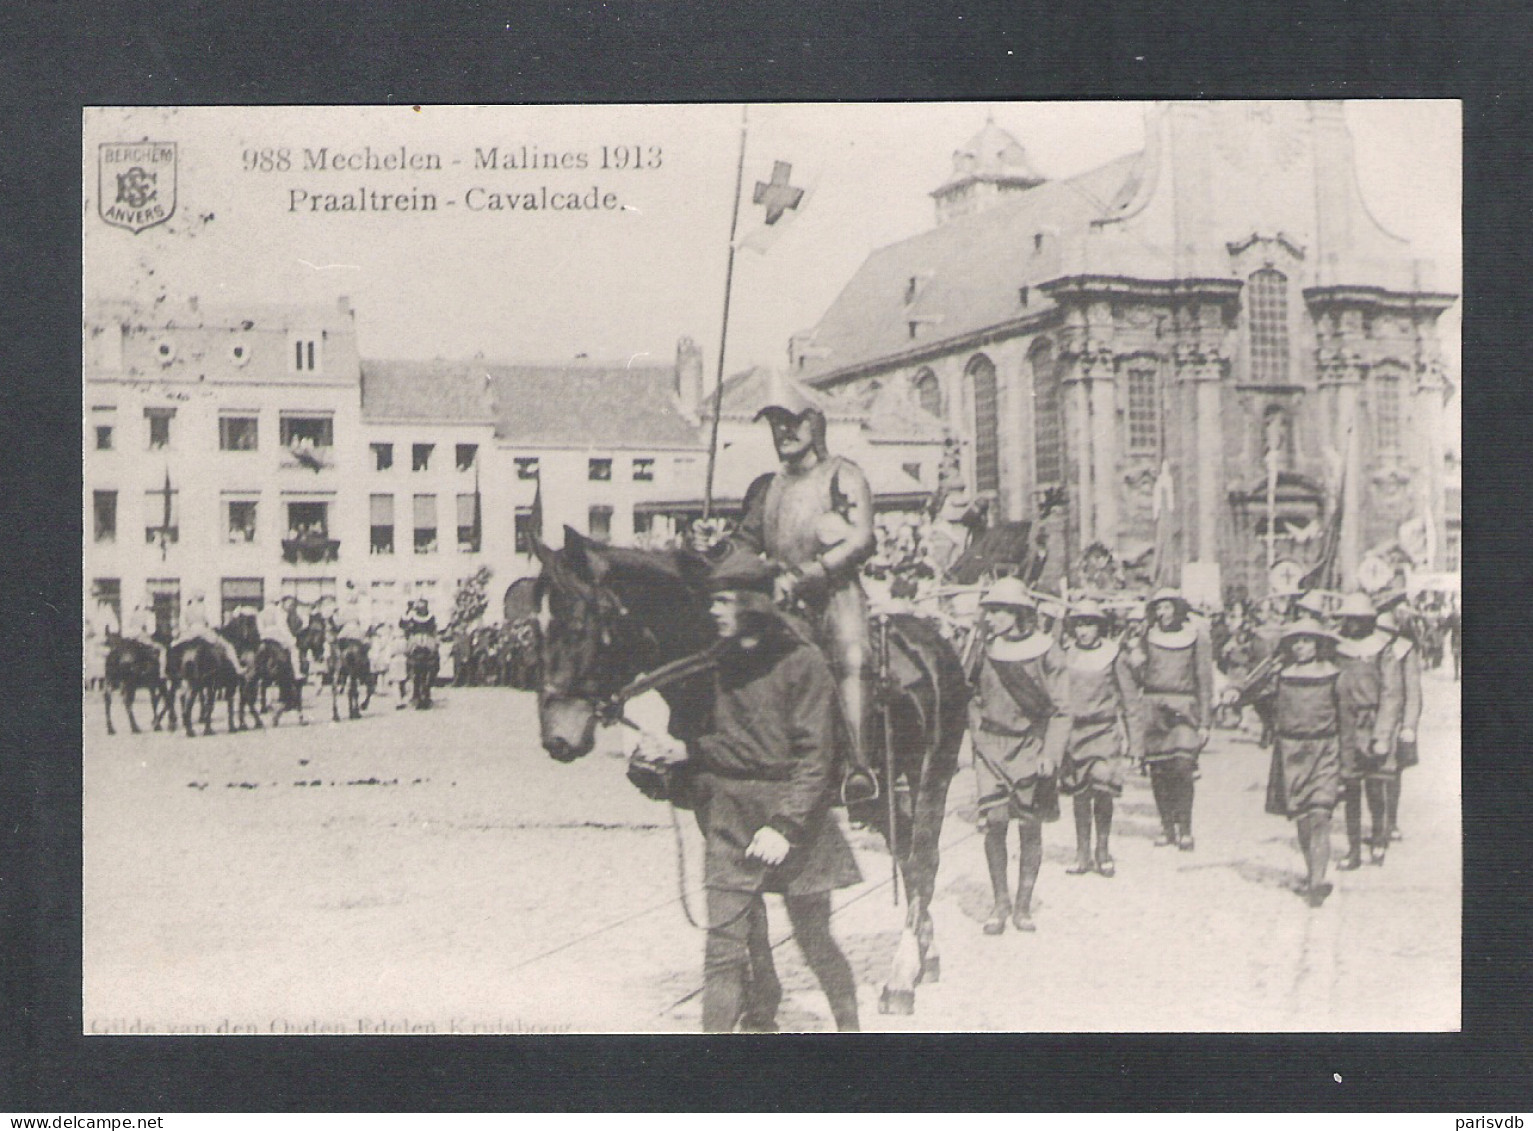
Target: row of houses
[{"x": 253, "y": 453}]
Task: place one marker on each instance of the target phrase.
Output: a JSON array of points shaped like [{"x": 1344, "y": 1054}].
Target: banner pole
[{"x": 729, "y": 276}]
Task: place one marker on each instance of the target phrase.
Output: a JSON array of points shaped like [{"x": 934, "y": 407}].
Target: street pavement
[{"x": 437, "y": 872}]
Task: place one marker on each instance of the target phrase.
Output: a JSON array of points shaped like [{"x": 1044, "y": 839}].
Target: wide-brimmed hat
[
  {"x": 1008, "y": 593},
  {"x": 1357, "y": 605},
  {"x": 1166, "y": 593},
  {"x": 1311, "y": 602},
  {"x": 1086, "y": 610},
  {"x": 1307, "y": 626}
]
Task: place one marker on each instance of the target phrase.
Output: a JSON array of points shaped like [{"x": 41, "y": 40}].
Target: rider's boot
[{"x": 858, "y": 784}]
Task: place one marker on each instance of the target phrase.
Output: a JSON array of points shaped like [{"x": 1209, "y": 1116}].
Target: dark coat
[{"x": 768, "y": 758}]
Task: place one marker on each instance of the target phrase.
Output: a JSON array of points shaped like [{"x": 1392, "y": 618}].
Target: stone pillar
[
  {"x": 1201, "y": 367},
  {"x": 1102, "y": 395},
  {"x": 1431, "y": 387},
  {"x": 1341, "y": 378}
]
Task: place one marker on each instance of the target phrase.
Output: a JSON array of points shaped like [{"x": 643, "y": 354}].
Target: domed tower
[{"x": 990, "y": 166}]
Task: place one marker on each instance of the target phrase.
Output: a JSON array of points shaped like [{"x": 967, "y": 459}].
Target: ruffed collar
[
  {"x": 1365, "y": 649},
  {"x": 1095, "y": 659},
  {"x": 1030, "y": 647},
  {"x": 1315, "y": 669},
  {"x": 1177, "y": 639}
]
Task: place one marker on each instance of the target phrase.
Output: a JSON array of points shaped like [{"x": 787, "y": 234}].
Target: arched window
[
  {"x": 1048, "y": 418},
  {"x": 1386, "y": 415},
  {"x": 1143, "y": 411},
  {"x": 987, "y": 439},
  {"x": 928, "y": 391},
  {"x": 1267, "y": 319}
]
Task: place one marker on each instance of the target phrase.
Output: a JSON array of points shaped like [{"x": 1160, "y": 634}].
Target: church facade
[{"x": 1208, "y": 352}]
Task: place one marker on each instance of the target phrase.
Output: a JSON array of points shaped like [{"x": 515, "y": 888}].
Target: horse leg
[
  {"x": 106, "y": 695},
  {"x": 188, "y": 704},
  {"x": 335, "y": 693},
  {"x": 918, "y": 868},
  {"x": 128, "y": 692}
]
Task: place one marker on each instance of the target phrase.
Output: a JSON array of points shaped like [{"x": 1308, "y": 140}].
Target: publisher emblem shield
[{"x": 137, "y": 187}]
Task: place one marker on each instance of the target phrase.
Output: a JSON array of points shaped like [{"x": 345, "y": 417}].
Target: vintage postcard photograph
[{"x": 900, "y": 567}]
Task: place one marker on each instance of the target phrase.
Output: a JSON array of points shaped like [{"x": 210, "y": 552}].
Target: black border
[{"x": 58, "y": 59}]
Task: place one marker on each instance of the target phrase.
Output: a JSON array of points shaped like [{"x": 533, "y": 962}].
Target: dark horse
[
  {"x": 132, "y": 666},
  {"x": 423, "y": 663},
  {"x": 208, "y": 676},
  {"x": 271, "y": 666},
  {"x": 351, "y": 671},
  {"x": 608, "y": 614}
]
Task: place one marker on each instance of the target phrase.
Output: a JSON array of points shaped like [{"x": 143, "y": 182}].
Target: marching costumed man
[
  {"x": 1399, "y": 714},
  {"x": 814, "y": 518},
  {"x": 762, "y": 776},
  {"x": 1098, "y": 691},
  {"x": 1360, "y": 655},
  {"x": 1175, "y": 670},
  {"x": 1305, "y": 777},
  {"x": 1018, "y": 730}
]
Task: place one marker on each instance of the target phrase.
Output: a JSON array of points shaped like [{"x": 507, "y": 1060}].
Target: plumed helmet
[
  {"x": 1356, "y": 605},
  {"x": 1086, "y": 610},
  {"x": 1008, "y": 593},
  {"x": 741, "y": 570},
  {"x": 1307, "y": 626}
]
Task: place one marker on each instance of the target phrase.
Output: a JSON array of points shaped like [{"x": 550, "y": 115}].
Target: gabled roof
[
  {"x": 990, "y": 155},
  {"x": 965, "y": 275},
  {"x": 590, "y": 405},
  {"x": 440, "y": 391}
]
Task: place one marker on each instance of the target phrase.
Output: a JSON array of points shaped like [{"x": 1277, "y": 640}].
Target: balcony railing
[{"x": 310, "y": 551}]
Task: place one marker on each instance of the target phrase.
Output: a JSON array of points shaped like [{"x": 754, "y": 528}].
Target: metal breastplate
[{"x": 793, "y": 505}]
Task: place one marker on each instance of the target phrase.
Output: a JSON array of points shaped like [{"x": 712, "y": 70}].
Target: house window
[
  {"x": 643, "y": 471},
  {"x": 165, "y": 603},
  {"x": 527, "y": 467},
  {"x": 467, "y": 456},
  {"x": 987, "y": 443},
  {"x": 108, "y": 591},
  {"x": 599, "y": 523},
  {"x": 237, "y": 433},
  {"x": 103, "y": 437},
  {"x": 468, "y": 524},
  {"x": 162, "y": 508},
  {"x": 1268, "y": 321},
  {"x": 242, "y": 520},
  {"x": 643, "y": 524},
  {"x": 306, "y": 354},
  {"x": 1386, "y": 415},
  {"x": 381, "y": 517},
  {"x": 1048, "y": 423},
  {"x": 425, "y": 524},
  {"x": 242, "y": 596},
  {"x": 928, "y": 392},
  {"x": 308, "y": 520},
  {"x": 1453, "y": 549},
  {"x": 525, "y": 530},
  {"x": 383, "y": 456},
  {"x": 310, "y": 440},
  {"x": 420, "y": 456},
  {"x": 1143, "y": 412},
  {"x": 159, "y": 426},
  {"x": 599, "y": 470},
  {"x": 106, "y": 516}
]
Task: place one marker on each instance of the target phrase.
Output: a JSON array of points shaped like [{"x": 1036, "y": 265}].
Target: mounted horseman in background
[
  {"x": 814, "y": 518},
  {"x": 422, "y": 651}
]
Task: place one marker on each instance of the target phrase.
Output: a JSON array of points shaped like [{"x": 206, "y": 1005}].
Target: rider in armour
[
  {"x": 814, "y": 518},
  {"x": 195, "y": 626}
]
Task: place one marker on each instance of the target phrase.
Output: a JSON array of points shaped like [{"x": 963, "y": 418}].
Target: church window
[
  {"x": 1143, "y": 412},
  {"x": 1268, "y": 322},
  {"x": 1048, "y": 419},
  {"x": 1386, "y": 415},
  {"x": 987, "y": 466},
  {"x": 928, "y": 392}
]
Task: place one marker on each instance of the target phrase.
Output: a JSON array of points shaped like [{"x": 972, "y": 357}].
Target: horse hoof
[
  {"x": 931, "y": 970},
  {"x": 901, "y": 1002}
]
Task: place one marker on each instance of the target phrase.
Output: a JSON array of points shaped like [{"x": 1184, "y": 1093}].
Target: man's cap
[
  {"x": 742, "y": 570},
  {"x": 1008, "y": 592},
  {"x": 1356, "y": 605},
  {"x": 784, "y": 394},
  {"x": 1307, "y": 626}
]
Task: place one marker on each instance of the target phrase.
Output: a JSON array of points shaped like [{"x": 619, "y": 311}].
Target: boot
[
  {"x": 859, "y": 785},
  {"x": 1083, "y": 859},
  {"x": 1031, "y": 863},
  {"x": 1184, "y": 795},
  {"x": 1378, "y": 812},
  {"x": 1352, "y": 802},
  {"x": 1319, "y": 857},
  {"x": 1102, "y": 808},
  {"x": 995, "y": 859},
  {"x": 1158, "y": 787}
]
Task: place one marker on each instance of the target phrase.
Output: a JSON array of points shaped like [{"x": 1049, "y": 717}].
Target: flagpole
[{"x": 729, "y": 276}]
